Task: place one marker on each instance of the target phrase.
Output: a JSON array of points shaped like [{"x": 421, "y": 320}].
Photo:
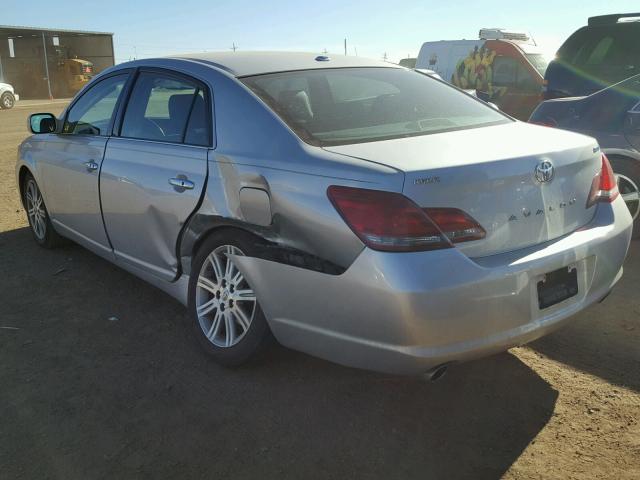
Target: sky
[{"x": 396, "y": 28}]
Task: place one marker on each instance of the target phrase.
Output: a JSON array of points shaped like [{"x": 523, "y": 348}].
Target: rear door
[
  {"x": 155, "y": 170},
  {"x": 72, "y": 159}
]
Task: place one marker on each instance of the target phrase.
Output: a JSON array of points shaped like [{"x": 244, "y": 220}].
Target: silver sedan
[{"x": 353, "y": 209}]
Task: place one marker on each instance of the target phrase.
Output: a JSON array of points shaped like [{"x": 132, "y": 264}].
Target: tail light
[
  {"x": 456, "y": 224},
  {"x": 391, "y": 222},
  {"x": 604, "y": 187}
]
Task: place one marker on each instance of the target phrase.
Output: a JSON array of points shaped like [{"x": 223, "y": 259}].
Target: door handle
[
  {"x": 91, "y": 165},
  {"x": 181, "y": 184}
]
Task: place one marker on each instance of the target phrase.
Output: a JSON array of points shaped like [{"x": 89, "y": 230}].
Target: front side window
[
  {"x": 167, "y": 109},
  {"x": 538, "y": 61},
  {"x": 91, "y": 114},
  {"x": 353, "y": 105}
]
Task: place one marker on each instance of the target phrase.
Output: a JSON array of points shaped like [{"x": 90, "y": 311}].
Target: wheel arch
[
  {"x": 22, "y": 174},
  {"x": 622, "y": 154},
  {"x": 202, "y": 226},
  {"x": 269, "y": 245}
]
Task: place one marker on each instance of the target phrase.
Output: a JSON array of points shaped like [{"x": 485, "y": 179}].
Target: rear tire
[
  {"x": 7, "y": 100},
  {"x": 41, "y": 227},
  {"x": 628, "y": 172},
  {"x": 225, "y": 315}
]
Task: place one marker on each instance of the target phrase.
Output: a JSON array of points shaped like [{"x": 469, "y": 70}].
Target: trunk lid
[{"x": 490, "y": 173}]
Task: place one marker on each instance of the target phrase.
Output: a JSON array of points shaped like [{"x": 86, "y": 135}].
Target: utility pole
[
  {"x": 345, "y": 46},
  {"x": 46, "y": 65},
  {"x": 355, "y": 49},
  {"x": 384, "y": 57},
  {"x": 234, "y": 47}
]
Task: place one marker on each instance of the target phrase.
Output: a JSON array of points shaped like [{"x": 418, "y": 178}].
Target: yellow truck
[{"x": 71, "y": 75}]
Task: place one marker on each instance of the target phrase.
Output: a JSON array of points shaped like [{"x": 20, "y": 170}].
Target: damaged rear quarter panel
[{"x": 255, "y": 149}]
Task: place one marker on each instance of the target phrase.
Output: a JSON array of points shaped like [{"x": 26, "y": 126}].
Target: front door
[
  {"x": 154, "y": 172},
  {"x": 72, "y": 160}
]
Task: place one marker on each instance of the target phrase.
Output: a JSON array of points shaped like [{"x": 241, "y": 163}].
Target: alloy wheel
[
  {"x": 225, "y": 303},
  {"x": 35, "y": 210},
  {"x": 7, "y": 101},
  {"x": 630, "y": 194}
]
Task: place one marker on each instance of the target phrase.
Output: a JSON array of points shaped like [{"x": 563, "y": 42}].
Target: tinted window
[
  {"x": 163, "y": 108},
  {"x": 198, "y": 127},
  {"x": 351, "y": 105},
  {"x": 504, "y": 71},
  {"x": 92, "y": 113},
  {"x": 595, "y": 48}
]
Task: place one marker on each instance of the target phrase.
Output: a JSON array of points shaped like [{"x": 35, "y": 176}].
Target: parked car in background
[
  {"x": 359, "y": 211},
  {"x": 408, "y": 62},
  {"x": 612, "y": 116},
  {"x": 505, "y": 68},
  {"x": 604, "y": 52},
  {"x": 8, "y": 96}
]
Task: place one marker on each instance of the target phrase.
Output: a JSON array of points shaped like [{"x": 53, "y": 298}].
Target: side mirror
[{"x": 42, "y": 123}]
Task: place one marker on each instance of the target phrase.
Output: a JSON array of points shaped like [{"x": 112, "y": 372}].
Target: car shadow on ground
[
  {"x": 100, "y": 378},
  {"x": 604, "y": 340}
]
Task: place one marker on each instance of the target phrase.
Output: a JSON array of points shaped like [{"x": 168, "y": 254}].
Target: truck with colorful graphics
[{"x": 503, "y": 67}]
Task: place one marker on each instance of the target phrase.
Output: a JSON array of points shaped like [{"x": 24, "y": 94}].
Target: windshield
[
  {"x": 351, "y": 105},
  {"x": 538, "y": 61}
]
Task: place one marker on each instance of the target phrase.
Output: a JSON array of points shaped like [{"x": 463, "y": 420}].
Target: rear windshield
[
  {"x": 594, "y": 48},
  {"x": 352, "y": 105}
]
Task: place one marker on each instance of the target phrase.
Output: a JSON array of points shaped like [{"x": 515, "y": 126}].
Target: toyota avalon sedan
[{"x": 354, "y": 209}]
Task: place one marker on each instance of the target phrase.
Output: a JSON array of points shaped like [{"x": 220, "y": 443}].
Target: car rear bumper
[{"x": 408, "y": 312}]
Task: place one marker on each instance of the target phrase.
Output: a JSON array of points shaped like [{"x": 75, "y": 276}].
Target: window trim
[
  {"x": 91, "y": 86},
  {"x": 198, "y": 84}
]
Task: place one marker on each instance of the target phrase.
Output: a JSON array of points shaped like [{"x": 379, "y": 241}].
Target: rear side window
[
  {"x": 167, "y": 109},
  {"x": 354, "y": 105},
  {"x": 91, "y": 114}
]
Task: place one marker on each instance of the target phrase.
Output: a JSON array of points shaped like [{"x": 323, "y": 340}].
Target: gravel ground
[{"x": 99, "y": 378}]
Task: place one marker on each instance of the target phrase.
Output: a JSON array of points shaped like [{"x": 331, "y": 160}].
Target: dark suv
[
  {"x": 604, "y": 52},
  {"x": 612, "y": 116}
]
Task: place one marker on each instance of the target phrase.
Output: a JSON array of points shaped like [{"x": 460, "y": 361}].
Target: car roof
[{"x": 241, "y": 64}]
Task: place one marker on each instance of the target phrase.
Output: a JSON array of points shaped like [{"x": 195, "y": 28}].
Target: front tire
[
  {"x": 628, "y": 173},
  {"x": 39, "y": 220},
  {"x": 226, "y": 317},
  {"x": 7, "y": 100}
]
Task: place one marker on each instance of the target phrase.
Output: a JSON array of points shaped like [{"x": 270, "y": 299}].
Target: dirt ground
[{"x": 100, "y": 379}]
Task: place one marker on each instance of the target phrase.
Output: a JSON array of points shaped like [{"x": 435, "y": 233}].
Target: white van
[{"x": 503, "y": 67}]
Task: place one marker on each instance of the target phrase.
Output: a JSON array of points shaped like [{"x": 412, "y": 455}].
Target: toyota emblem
[{"x": 544, "y": 171}]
